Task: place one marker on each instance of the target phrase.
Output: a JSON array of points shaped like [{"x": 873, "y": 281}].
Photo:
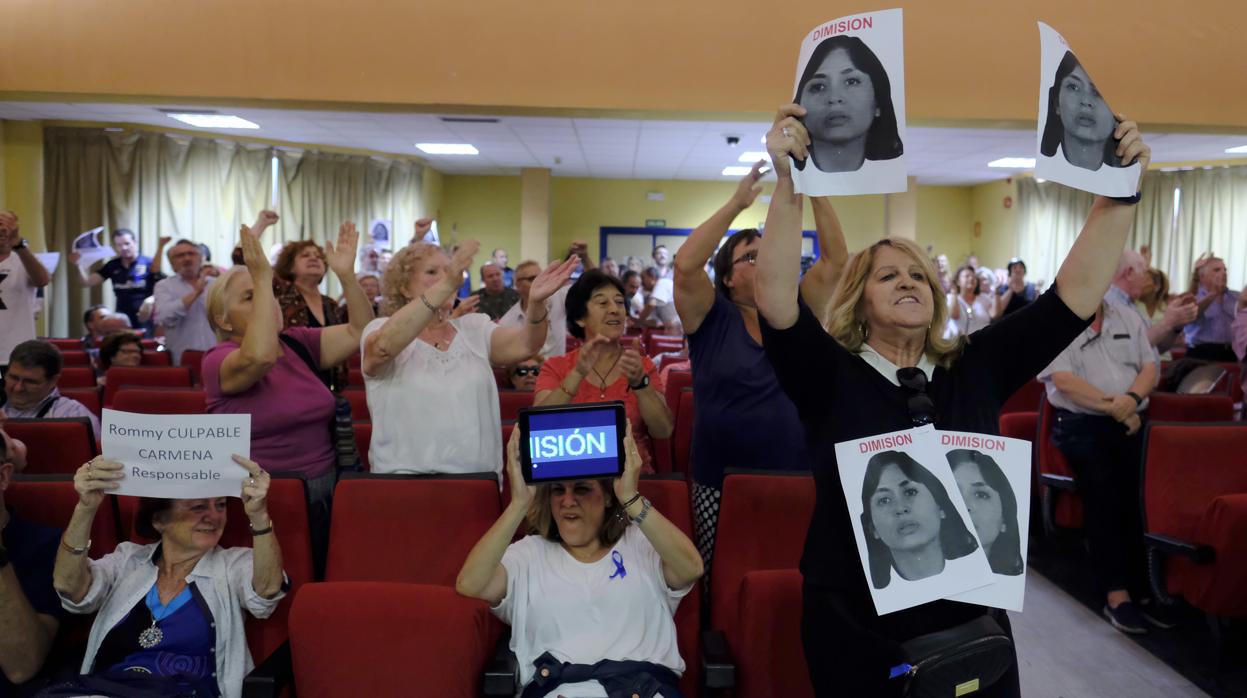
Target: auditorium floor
[{"x": 1066, "y": 651}]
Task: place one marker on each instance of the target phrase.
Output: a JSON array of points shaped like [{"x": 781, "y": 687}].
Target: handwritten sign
[{"x": 178, "y": 456}]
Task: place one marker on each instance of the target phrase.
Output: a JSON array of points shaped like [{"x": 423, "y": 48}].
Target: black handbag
[{"x": 960, "y": 661}]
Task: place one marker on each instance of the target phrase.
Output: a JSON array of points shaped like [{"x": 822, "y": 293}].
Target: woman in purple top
[
  {"x": 252, "y": 371},
  {"x": 736, "y": 394}
]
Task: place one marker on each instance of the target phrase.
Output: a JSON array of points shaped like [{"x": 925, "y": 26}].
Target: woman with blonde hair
[
  {"x": 883, "y": 365},
  {"x": 429, "y": 375}
]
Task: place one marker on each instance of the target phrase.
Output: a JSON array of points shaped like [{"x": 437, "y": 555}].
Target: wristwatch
[
  {"x": 4, "y": 557},
  {"x": 641, "y": 384},
  {"x": 21, "y": 244}
]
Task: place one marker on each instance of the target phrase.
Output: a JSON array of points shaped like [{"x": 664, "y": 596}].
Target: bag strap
[
  {"x": 46, "y": 408},
  {"x": 297, "y": 347}
]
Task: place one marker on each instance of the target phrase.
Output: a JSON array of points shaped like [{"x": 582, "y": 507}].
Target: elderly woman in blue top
[{"x": 168, "y": 614}]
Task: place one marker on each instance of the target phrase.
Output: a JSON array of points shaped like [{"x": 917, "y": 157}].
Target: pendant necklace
[
  {"x": 602, "y": 378},
  {"x": 153, "y": 635}
]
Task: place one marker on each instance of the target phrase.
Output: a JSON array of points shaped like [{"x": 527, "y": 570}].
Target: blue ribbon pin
[{"x": 619, "y": 567}]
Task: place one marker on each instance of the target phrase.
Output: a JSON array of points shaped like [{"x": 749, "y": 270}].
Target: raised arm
[
  {"x": 245, "y": 366},
  {"x": 1088, "y": 268},
  {"x": 694, "y": 291},
  {"x": 34, "y": 268},
  {"x": 779, "y": 255},
  {"x": 266, "y": 572},
  {"x": 405, "y": 325},
  {"x": 483, "y": 576},
  {"x": 93, "y": 481},
  {"x": 509, "y": 345},
  {"x": 681, "y": 563},
  {"x": 341, "y": 341},
  {"x": 90, "y": 279},
  {"x": 833, "y": 253},
  {"x": 159, "y": 259}
]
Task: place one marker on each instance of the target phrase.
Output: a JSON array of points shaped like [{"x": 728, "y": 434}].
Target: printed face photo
[
  {"x": 993, "y": 506},
  {"x": 903, "y": 513}
]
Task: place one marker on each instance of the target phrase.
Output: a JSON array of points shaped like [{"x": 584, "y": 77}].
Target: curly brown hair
[
  {"x": 400, "y": 272},
  {"x": 284, "y": 268}
]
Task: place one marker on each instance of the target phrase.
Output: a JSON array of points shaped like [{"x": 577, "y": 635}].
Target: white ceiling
[{"x": 603, "y": 148}]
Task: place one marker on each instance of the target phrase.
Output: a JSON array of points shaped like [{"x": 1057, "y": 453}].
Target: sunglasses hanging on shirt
[{"x": 921, "y": 406}]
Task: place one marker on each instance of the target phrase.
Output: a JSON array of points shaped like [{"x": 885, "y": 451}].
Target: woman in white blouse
[
  {"x": 967, "y": 310},
  {"x": 590, "y": 599},
  {"x": 431, "y": 388}
]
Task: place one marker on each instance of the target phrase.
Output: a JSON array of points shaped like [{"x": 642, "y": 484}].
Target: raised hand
[
  {"x": 461, "y": 260},
  {"x": 626, "y": 485},
  {"x": 254, "y": 492},
  {"x": 747, "y": 191},
  {"x": 341, "y": 257},
  {"x": 522, "y": 493},
  {"x": 423, "y": 226},
  {"x": 96, "y": 478},
  {"x": 1131, "y": 148},
  {"x": 590, "y": 352},
  {"x": 253, "y": 252},
  {"x": 1181, "y": 312},
  {"x": 632, "y": 366},
  {"x": 466, "y": 306},
  {"x": 787, "y": 138},
  {"x": 9, "y": 226},
  {"x": 163, "y": 241},
  {"x": 263, "y": 220},
  {"x": 551, "y": 279}
]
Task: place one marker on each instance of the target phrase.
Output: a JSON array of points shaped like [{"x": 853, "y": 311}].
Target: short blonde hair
[
  {"x": 846, "y": 323},
  {"x": 398, "y": 274},
  {"x": 217, "y": 303},
  {"x": 541, "y": 522}
]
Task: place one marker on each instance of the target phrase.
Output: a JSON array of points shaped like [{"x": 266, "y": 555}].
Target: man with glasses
[
  {"x": 180, "y": 301},
  {"x": 556, "y": 305},
  {"x": 524, "y": 374},
  {"x": 30, "y": 386},
  {"x": 30, "y": 610},
  {"x": 1099, "y": 387}
]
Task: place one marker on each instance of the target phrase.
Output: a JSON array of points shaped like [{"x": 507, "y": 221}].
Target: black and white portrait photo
[
  {"x": 1076, "y": 126},
  {"x": 379, "y": 229},
  {"x": 850, "y": 80}
]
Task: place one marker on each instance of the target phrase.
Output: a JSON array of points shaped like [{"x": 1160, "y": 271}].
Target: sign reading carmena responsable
[{"x": 178, "y": 456}]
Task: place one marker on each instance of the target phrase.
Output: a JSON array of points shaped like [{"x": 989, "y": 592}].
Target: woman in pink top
[{"x": 252, "y": 371}]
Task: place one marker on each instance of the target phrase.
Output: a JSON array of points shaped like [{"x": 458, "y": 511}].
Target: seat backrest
[
  {"x": 1173, "y": 407},
  {"x": 677, "y": 381},
  {"x": 763, "y": 519},
  {"x": 682, "y": 442},
  {"x": 89, "y": 397},
  {"x": 413, "y": 529},
  {"x": 1026, "y": 399},
  {"x": 160, "y": 401},
  {"x": 355, "y": 376},
  {"x": 1185, "y": 467},
  {"x": 359, "y": 404},
  {"x": 511, "y": 401},
  {"x": 119, "y": 377},
  {"x": 193, "y": 359},
  {"x": 159, "y": 358},
  {"x": 387, "y": 639},
  {"x": 49, "y": 500},
  {"x": 65, "y": 343},
  {"x": 75, "y": 358},
  {"x": 363, "y": 439},
  {"x": 670, "y": 495},
  {"x": 54, "y": 445},
  {"x": 771, "y": 659},
  {"x": 76, "y": 377}
]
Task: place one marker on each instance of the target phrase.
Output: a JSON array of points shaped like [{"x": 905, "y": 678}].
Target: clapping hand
[
  {"x": 1181, "y": 312},
  {"x": 341, "y": 257},
  {"x": 466, "y": 306},
  {"x": 632, "y": 366},
  {"x": 590, "y": 352}
]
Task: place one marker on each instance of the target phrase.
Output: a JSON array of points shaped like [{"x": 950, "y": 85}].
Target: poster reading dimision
[
  {"x": 851, "y": 81},
  {"x": 1076, "y": 126},
  {"x": 913, "y": 532},
  {"x": 993, "y": 474}
]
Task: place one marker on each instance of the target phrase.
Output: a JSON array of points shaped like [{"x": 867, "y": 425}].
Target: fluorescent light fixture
[
  {"x": 215, "y": 121},
  {"x": 1237, "y": 149},
  {"x": 735, "y": 171},
  {"x": 448, "y": 148},
  {"x": 753, "y": 156},
  {"x": 1013, "y": 163}
]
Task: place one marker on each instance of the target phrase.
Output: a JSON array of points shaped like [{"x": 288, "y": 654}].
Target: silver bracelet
[
  {"x": 645, "y": 507},
  {"x": 427, "y": 304}
]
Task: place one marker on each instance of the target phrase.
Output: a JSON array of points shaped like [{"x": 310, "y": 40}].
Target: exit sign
[{"x": 655, "y": 222}]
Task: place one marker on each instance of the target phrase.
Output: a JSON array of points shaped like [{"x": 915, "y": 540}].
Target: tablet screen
[{"x": 572, "y": 442}]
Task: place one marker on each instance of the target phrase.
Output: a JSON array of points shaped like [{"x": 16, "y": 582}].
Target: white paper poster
[
  {"x": 993, "y": 474},
  {"x": 90, "y": 245},
  {"x": 379, "y": 229},
  {"x": 1076, "y": 144},
  {"x": 851, "y": 80},
  {"x": 178, "y": 456},
  {"x": 49, "y": 260},
  {"x": 914, "y": 535}
]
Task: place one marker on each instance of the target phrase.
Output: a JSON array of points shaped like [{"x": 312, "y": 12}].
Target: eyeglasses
[
  {"x": 528, "y": 370},
  {"x": 751, "y": 257},
  {"x": 921, "y": 406}
]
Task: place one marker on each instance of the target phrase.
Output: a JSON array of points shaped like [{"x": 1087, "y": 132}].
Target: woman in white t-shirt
[
  {"x": 589, "y": 598},
  {"x": 431, "y": 388}
]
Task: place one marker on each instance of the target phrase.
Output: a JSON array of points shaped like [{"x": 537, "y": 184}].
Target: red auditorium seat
[
  {"x": 148, "y": 344},
  {"x": 501, "y": 379},
  {"x": 76, "y": 377},
  {"x": 670, "y": 495},
  {"x": 682, "y": 441},
  {"x": 1062, "y": 507},
  {"x": 193, "y": 360},
  {"x": 1173, "y": 407},
  {"x": 677, "y": 381},
  {"x": 1026, "y": 399},
  {"x": 54, "y": 445},
  {"x": 1025, "y": 426},
  {"x": 160, "y": 401},
  {"x": 65, "y": 343},
  {"x": 89, "y": 397},
  {"x": 1195, "y": 513},
  {"x": 510, "y": 402},
  {"x": 355, "y": 360},
  {"x": 772, "y": 658},
  {"x": 386, "y": 639},
  {"x": 287, "y": 506},
  {"x": 763, "y": 518},
  {"x": 359, "y": 404},
  {"x": 158, "y": 358},
  {"x": 49, "y": 500},
  {"x": 355, "y": 377},
  {"x": 119, "y": 377},
  {"x": 363, "y": 440},
  {"x": 75, "y": 358},
  {"x": 437, "y": 519}
]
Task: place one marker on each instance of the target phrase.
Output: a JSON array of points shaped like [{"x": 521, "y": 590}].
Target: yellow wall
[
  {"x": 998, "y": 225},
  {"x": 481, "y": 208},
  {"x": 22, "y": 180},
  {"x": 945, "y": 221}
]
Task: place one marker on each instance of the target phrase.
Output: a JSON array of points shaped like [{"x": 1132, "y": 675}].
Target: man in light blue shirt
[
  {"x": 180, "y": 301},
  {"x": 1210, "y": 335}
]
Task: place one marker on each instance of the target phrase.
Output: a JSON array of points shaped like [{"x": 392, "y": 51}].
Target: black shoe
[
  {"x": 1126, "y": 618},
  {"x": 1160, "y": 616}
]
